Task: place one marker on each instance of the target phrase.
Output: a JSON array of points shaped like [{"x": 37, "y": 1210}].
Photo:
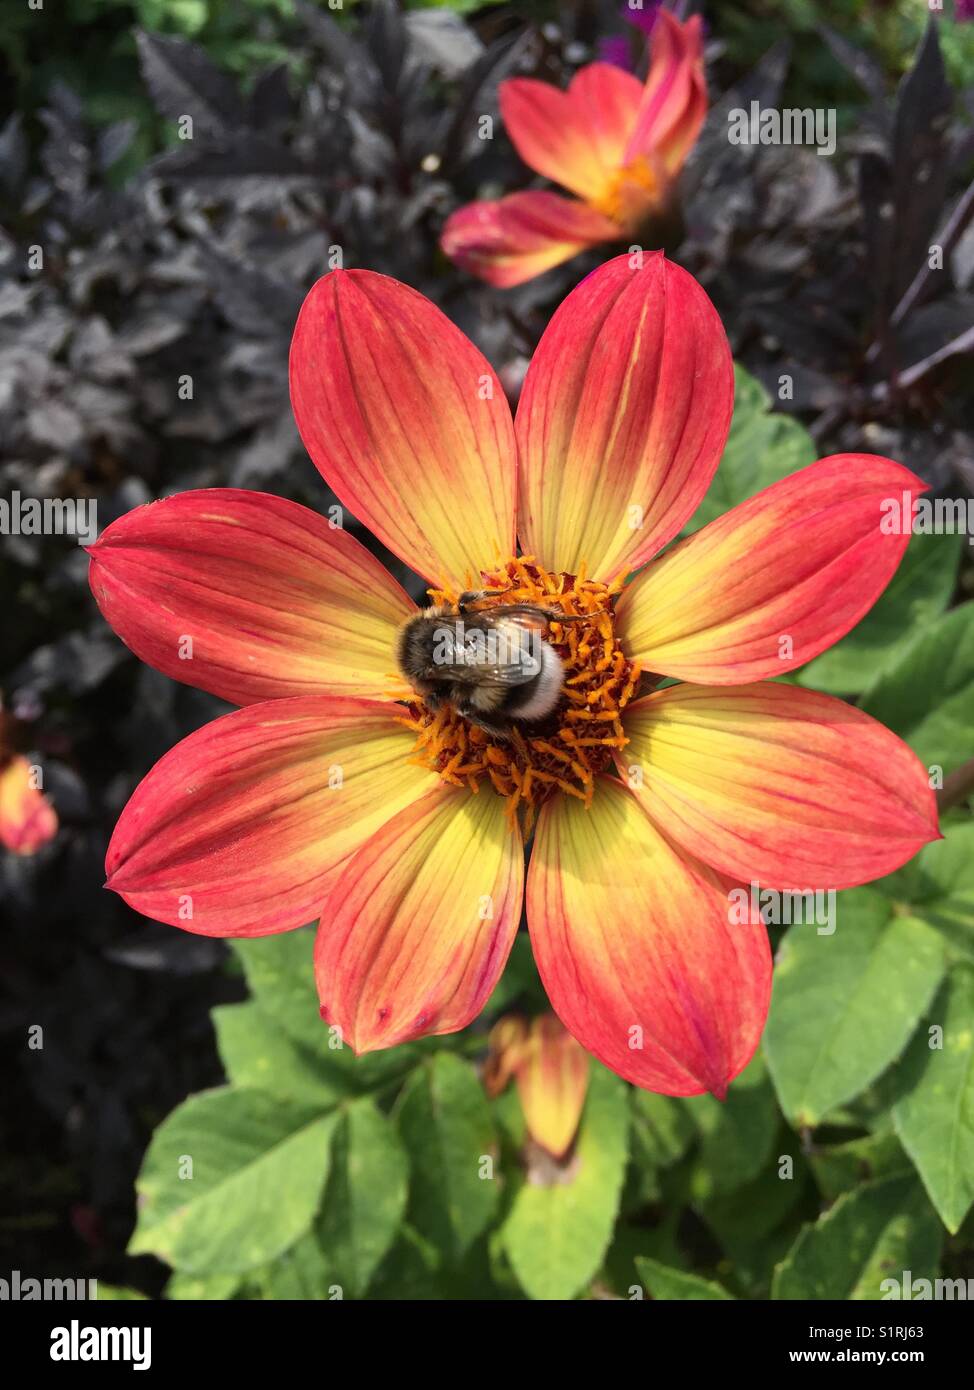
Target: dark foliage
[
  {"x": 195, "y": 271},
  {"x": 852, "y": 276}
]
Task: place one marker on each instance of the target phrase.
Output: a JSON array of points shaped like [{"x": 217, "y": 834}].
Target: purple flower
[
  {"x": 643, "y": 16},
  {"x": 617, "y": 49}
]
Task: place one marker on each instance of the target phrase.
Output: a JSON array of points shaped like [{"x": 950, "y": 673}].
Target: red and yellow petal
[
  {"x": 27, "y": 818},
  {"x": 416, "y": 931},
  {"x": 636, "y": 949},
  {"x": 674, "y": 102},
  {"x": 773, "y": 582},
  {"x": 577, "y": 137},
  {"x": 608, "y": 99},
  {"x": 249, "y": 596},
  {"x": 778, "y": 785},
  {"x": 407, "y": 422},
  {"x": 552, "y": 1080},
  {"x": 522, "y": 235},
  {"x": 242, "y": 827},
  {"x": 623, "y": 417}
]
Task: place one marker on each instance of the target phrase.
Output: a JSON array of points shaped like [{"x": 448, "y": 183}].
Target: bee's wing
[
  {"x": 508, "y": 661},
  {"x": 494, "y": 677},
  {"x": 524, "y": 615}
]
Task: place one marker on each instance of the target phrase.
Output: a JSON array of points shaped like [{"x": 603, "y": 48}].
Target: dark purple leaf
[
  {"x": 270, "y": 102},
  {"x": 919, "y": 153},
  {"x": 13, "y": 153},
  {"x": 113, "y": 142},
  {"x": 182, "y": 81}
]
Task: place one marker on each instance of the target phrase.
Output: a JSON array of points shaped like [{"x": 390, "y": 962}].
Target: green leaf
[
  {"x": 664, "y": 1282},
  {"x": 839, "y": 1168},
  {"x": 258, "y": 1054},
  {"x": 509, "y": 1117},
  {"x": 938, "y": 885},
  {"x": 935, "y": 1119},
  {"x": 556, "y": 1236},
  {"x": 868, "y": 1236},
  {"x": 755, "y": 1224},
  {"x": 115, "y": 1293},
  {"x": 446, "y": 1125},
  {"x": 302, "y": 1273},
  {"x": 458, "y": 6},
  {"x": 366, "y": 1195},
  {"x": 845, "y": 1006},
  {"x": 762, "y": 448},
  {"x": 258, "y": 1168},
  {"x": 409, "y": 1271},
  {"x": 629, "y": 1242},
  {"x": 643, "y": 1186},
  {"x": 662, "y": 1128},
  {"x": 737, "y": 1133},
  {"x": 186, "y": 16},
  {"x": 194, "y": 1288},
  {"x": 927, "y": 694},
  {"x": 918, "y": 592},
  {"x": 280, "y": 973}
]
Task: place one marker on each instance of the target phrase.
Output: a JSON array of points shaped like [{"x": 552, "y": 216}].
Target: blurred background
[{"x": 356, "y": 127}]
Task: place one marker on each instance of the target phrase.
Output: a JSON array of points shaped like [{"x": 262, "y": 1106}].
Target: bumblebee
[{"x": 495, "y": 666}]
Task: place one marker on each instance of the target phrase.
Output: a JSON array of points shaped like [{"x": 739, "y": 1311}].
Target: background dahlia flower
[
  {"x": 27, "y": 818},
  {"x": 617, "y": 143},
  {"x": 550, "y": 1072},
  {"x": 335, "y": 794}
]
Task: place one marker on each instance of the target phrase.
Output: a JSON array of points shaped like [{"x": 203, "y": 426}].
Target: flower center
[
  {"x": 629, "y": 194},
  {"x": 575, "y": 742}
]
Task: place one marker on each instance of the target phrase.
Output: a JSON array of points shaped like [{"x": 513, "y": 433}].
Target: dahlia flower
[
  {"x": 617, "y": 143},
  {"x": 336, "y": 794}
]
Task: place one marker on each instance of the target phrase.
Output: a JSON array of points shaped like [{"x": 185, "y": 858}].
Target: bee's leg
[{"x": 471, "y": 596}]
